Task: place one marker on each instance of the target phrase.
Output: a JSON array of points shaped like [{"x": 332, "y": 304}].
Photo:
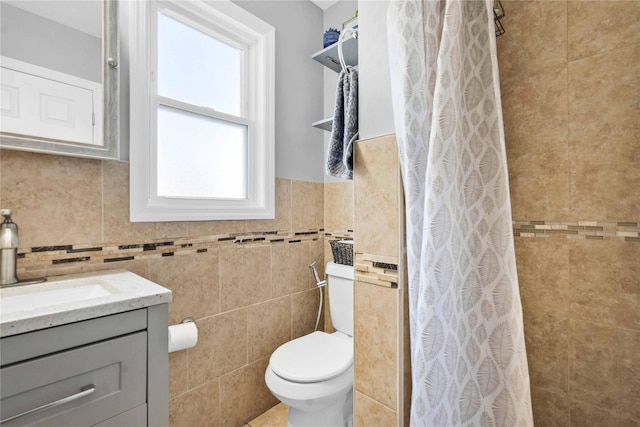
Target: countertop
[{"x": 122, "y": 291}]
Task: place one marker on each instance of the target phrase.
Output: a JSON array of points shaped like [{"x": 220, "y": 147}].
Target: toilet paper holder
[{"x": 182, "y": 336}]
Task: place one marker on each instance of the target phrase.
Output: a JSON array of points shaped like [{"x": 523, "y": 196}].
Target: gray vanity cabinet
[{"x": 107, "y": 371}]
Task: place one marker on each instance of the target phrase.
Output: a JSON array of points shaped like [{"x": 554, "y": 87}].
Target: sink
[
  {"x": 37, "y": 298},
  {"x": 75, "y": 297}
]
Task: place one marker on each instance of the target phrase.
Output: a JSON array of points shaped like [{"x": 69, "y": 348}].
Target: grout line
[
  {"x": 102, "y": 199},
  {"x": 219, "y": 401},
  {"x": 219, "y": 281},
  {"x": 369, "y": 397}
]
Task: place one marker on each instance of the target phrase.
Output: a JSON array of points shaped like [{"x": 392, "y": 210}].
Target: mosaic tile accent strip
[
  {"x": 376, "y": 270},
  {"x": 628, "y": 231},
  {"x": 339, "y": 234},
  {"x": 40, "y": 258},
  {"x": 385, "y": 265}
]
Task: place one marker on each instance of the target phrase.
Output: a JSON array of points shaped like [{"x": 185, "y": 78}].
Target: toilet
[{"x": 313, "y": 374}]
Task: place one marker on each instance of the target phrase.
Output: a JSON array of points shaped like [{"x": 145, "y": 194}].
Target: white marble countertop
[{"x": 75, "y": 297}]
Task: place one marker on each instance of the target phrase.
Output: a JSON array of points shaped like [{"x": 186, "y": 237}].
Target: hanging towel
[{"x": 345, "y": 125}]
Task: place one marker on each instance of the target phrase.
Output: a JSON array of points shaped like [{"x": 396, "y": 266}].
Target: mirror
[{"x": 59, "y": 77}]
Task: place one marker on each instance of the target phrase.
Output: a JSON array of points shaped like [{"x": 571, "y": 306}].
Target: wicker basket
[{"x": 342, "y": 251}]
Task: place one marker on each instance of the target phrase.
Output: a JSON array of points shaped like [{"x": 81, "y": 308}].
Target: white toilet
[{"x": 313, "y": 374}]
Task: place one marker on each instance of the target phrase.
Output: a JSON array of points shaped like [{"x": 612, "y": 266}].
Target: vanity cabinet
[{"x": 106, "y": 371}]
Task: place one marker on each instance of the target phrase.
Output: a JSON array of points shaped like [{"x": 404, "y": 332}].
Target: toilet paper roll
[{"x": 182, "y": 336}]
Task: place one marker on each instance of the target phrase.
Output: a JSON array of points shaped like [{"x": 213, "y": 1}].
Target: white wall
[
  {"x": 299, "y": 85},
  {"x": 305, "y": 90},
  {"x": 376, "y": 110},
  {"x": 31, "y": 38}
]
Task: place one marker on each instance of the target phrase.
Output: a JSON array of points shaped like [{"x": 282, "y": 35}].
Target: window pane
[
  {"x": 200, "y": 157},
  {"x": 197, "y": 68}
]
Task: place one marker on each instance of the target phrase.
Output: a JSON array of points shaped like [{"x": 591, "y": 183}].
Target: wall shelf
[
  {"x": 324, "y": 124},
  {"x": 329, "y": 58},
  {"x": 329, "y": 55}
]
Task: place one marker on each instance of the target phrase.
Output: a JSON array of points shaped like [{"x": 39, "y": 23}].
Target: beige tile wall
[
  {"x": 376, "y": 342},
  {"x": 338, "y": 224},
  {"x": 570, "y": 79},
  {"x": 376, "y": 197},
  {"x": 247, "y": 298},
  {"x": 380, "y": 384},
  {"x": 369, "y": 412}
]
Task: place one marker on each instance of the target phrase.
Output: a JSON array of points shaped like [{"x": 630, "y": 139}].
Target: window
[{"x": 202, "y": 103}]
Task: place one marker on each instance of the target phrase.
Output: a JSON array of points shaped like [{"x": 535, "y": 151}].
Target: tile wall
[
  {"x": 245, "y": 282},
  {"x": 338, "y": 223},
  {"x": 381, "y": 392},
  {"x": 570, "y": 79}
]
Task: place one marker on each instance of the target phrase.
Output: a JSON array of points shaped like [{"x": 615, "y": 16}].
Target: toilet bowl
[{"x": 313, "y": 374}]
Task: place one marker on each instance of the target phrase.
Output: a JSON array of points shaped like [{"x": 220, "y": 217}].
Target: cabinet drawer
[
  {"x": 114, "y": 369},
  {"x": 17, "y": 348},
  {"x": 136, "y": 417}
]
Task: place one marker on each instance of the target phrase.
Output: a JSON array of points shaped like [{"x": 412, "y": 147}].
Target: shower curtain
[{"x": 468, "y": 356}]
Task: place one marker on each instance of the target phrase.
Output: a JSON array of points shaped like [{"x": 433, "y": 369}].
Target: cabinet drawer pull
[{"x": 86, "y": 391}]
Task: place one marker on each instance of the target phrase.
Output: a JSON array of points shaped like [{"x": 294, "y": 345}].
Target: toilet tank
[{"x": 340, "y": 282}]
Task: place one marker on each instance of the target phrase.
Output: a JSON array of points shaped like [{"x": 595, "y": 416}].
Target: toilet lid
[{"x": 312, "y": 358}]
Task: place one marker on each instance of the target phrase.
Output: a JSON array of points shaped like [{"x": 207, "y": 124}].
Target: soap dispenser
[{"x": 9, "y": 248}]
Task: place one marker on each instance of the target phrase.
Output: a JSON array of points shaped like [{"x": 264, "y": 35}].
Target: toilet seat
[{"x": 312, "y": 358}]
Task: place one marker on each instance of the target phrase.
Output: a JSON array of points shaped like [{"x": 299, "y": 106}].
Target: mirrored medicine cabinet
[{"x": 60, "y": 77}]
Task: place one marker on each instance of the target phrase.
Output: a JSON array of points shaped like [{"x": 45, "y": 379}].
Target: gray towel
[{"x": 345, "y": 126}]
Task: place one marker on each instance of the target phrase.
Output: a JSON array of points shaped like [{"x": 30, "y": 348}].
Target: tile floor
[{"x": 274, "y": 417}]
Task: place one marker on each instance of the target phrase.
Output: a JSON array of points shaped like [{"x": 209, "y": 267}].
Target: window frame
[{"x": 238, "y": 28}]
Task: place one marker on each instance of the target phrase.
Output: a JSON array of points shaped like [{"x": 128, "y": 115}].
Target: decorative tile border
[
  {"x": 628, "y": 231},
  {"x": 44, "y": 257},
  {"x": 338, "y": 234},
  {"x": 376, "y": 270}
]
